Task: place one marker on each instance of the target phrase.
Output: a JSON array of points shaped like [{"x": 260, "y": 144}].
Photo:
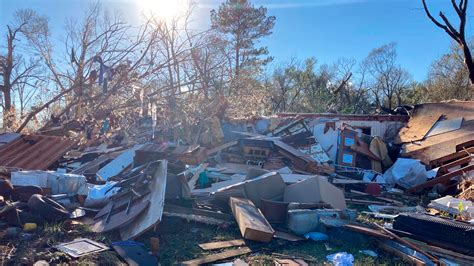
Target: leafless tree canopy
[
  {"x": 182, "y": 76},
  {"x": 457, "y": 34}
]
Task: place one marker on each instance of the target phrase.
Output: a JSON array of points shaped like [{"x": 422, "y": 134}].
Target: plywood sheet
[
  {"x": 222, "y": 244},
  {"x": 218, "y": 256}
]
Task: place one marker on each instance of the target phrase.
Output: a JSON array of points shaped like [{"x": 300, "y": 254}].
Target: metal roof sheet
[{"x": 34, "y": 152}]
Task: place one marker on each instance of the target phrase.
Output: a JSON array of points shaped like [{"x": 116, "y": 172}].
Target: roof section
[
  {"x": 34, "y": 152},
  {"x": 426, "y": 115}
]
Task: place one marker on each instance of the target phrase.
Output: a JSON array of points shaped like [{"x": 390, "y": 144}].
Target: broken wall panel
[{"x": 153, "y": 214}]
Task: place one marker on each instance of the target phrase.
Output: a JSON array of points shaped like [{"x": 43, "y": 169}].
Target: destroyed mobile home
[{"x": 401, "y": 182}]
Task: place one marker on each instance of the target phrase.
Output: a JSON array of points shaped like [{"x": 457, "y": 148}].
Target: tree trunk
[
  {"x": 7, "y": 86},
  {"x": 468, "y": 60},
  {"x": 7, "y": 115}
]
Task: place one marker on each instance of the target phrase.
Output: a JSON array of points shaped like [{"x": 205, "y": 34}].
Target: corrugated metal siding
[{"x": 34, "y": 152}]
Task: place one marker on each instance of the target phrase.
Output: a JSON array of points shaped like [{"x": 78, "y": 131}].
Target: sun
[{"x": 164, "y": 9}]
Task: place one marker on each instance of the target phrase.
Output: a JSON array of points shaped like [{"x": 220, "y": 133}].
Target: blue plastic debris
[
  {"x": 316, "y": 236},
  {"x": 341, "y": 259}
]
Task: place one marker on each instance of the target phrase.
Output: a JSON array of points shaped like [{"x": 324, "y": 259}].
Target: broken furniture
[
  {"x": 252, "y": 223},
  {"x": 315, "y": 190}
]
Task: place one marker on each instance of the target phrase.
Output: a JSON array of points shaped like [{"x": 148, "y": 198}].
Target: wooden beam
[
  {"x": 193, "y": 180},
  {"x": 367, "y": 231},
  {"x": 219, "y": 256},
  {"x": 221, "y": 147},
  {"x": 445, "y": 168},
  {"x": 441, "y": 179},
  {"x": 454, "y": 156},
  {"x": 222, "y": 244}
]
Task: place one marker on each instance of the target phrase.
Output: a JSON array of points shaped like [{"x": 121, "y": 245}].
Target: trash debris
[
  {"x": 81, "y": 247},
  {"x": 369, "y": 252},
  {"x": 316, "y": 236},
  {"x": 134, "y": 253},
  {"x": 341, "y": 259},
  {"x": 298, "y": 179}
]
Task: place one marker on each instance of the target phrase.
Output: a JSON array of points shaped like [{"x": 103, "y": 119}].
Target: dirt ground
[{"x": 179, "y": 241}]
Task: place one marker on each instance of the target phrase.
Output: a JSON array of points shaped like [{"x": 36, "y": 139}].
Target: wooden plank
[
  {"x": 441, "y": 179},
  {"x": 222, "y": 244},
  {"x": 367, "y": 231},
  {"x": 451, "y": 157},
  {"x": 193, "y": 180},
  {"x": 350, "y": 181},
  {"x": 221, "y": 147},
  {"x": 252, "y": 223},
  {"x": 293, "y": 153},
  {"x": 288, "y": 236},
  {"x": 152, "y": 216},
  {"x": 175, "y": 209},
  {"x": 377, "y": 197},
  {"x": 219, "y": 256},
  {"x": 445, "y": 168},
  {"x": 365, "y": 202}
]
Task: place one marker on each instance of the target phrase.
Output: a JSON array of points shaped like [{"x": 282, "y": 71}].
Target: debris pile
[{"x": 395, "y": 184}]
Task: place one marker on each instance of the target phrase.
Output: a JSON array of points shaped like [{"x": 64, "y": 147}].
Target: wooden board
[
  {"x": 441, "y": 179},
  {"x": 221, "y": 147},
  {"x": 193, "y": 180},
  {"x": 288, "y": 236},
  {"x": 153, "y": 214},
  {"x": 222, "y": 244},
  {"x": 218, "y": 256}
]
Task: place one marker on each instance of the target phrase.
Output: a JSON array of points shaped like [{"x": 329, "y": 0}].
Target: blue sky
[{"x": 325, "y": 29}]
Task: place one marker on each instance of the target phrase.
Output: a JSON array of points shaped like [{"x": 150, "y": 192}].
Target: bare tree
[
  {"x": 448, "y": 77},
  {"x": 16, "y": 70},
  {"x": 100, "y": 43},
  {"x": 388, "y": 80},
  {"x": 458, "y": 35}
]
